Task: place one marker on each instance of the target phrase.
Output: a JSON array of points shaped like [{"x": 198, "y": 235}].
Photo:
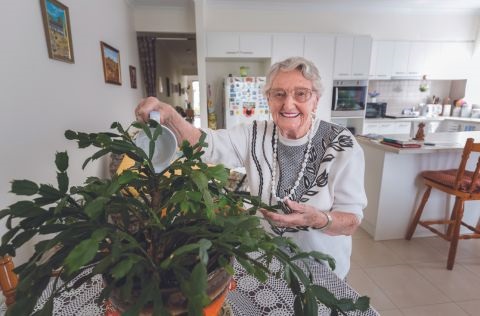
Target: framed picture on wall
[
  {"x": 175, "y": 87},
  {"x": 56, "y": 22},
  {"x": 133, "y": 77},
  {"x": 179, "y": 88},
  {"x": 167, "y": 84},
  {"x": 111, "y": 64}
]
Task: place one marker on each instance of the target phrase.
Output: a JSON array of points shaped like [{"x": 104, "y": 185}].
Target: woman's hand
[
  {"x": 147, "y": 105},
  {"x": 168, "y": 117},
  {"x": 302, "y": 215},
  {"x": 343, "y": 223}
]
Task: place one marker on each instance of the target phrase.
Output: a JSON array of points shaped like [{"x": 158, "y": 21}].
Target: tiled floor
[{"x": 410, "y": 277}]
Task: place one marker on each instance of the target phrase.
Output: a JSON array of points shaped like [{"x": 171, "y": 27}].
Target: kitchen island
[{"x": 394, "y": 188}]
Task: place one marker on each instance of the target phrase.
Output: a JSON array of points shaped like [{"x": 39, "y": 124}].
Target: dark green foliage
[{"x": 141, "y": 227}]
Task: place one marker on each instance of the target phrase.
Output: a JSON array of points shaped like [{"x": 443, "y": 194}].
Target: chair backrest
[
  {"x": 473, "y": 184},
  {"x": 8, "y": 279}
]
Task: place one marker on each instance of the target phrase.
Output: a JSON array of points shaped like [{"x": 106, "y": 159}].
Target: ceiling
[{"x": 429, "y": 5}]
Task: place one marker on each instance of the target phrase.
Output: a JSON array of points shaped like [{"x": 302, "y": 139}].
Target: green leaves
[
  {"x": 96, "y": 207},
  {"x": 147, "y": 231},
  {"x": 85, "y": 251},
  {"x": 24, "y": 187},
  {"x": 123, "y": 267},
  {"x": 61, "y": 161}
]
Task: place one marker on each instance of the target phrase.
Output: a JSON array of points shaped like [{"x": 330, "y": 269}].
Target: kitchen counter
[
  {"x": 394, "y": 189},
  {"x": 424, "y": 119},
  {"x": 438, "y": 142}
]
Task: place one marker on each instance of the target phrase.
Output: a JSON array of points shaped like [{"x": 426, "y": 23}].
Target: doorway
[{"x": 176, "y": 68}]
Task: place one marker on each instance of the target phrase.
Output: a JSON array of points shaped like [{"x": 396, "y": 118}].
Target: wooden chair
[
  {"x": 465, "y": 186},
  {"x": 8, "y": 279}
]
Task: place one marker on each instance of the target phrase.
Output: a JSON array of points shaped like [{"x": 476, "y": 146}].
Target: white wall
[
  {"x": 40, "y": 97},
  {"x": 399, "y": 25},
  {"x": 472, "y": 90},
  {"x": 165, "y": 19}
]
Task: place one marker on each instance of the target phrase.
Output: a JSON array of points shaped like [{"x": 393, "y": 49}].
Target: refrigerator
[{"x": 244, "y": 100}]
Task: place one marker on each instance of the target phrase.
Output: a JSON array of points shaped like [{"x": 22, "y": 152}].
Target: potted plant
[{"x": 147, "y": 232}]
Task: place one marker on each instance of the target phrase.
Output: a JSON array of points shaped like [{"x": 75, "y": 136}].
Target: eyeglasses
[{"x": 299, "y": 94}]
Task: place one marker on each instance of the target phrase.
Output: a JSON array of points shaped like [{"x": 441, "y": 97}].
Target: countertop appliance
[
  {"x": 349, "y": 98},
  {"x": 376, "y": 109},
  {"x": 244, "y": 100}
]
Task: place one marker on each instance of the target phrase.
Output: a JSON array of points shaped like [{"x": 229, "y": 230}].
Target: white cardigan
[{"x": 334, "y": 176}]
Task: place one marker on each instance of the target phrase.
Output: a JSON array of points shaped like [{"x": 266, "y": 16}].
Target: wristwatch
[{"x": 328, "y": 224}]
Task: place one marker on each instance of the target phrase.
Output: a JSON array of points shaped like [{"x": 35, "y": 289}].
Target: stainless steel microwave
[{"x": 349, "y": 98}]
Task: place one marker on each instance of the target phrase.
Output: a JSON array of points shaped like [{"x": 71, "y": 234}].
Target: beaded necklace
[{"x": 304, "y": 165}]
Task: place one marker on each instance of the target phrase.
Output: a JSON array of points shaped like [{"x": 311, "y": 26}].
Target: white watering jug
[{"x": 165, "y": 146}]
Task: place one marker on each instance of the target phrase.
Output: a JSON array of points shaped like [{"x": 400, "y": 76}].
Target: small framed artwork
[
  {"x": 111, "y": 64},
  {"x": 56, "y": 22},
  {"x": 167, "y": 83},
  {"x": 175, "y": 87},
  {"x": 179, "y": 89},
  {"x": 133, "y": 77}
]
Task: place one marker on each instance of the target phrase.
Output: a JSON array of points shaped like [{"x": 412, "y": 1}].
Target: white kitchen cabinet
[
  {"x": 287, "y": 45},
  {"x": 437, "y": 60},
  {"x": 409, "y": 59},
  {"x": 239, "y": 45},
  {"x": 431, "y": 126},
  {"x": 352, "y": 57},
  {"x": 320, "y": 49},
  {"x": 387, "y": 127},
  {"x": 371, "y": 128},
  {"x": 456, "y": 60},
  {"x": 382, "y": 60}
]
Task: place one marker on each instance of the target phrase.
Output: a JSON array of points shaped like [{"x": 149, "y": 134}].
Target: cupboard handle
[
  {"x": 248, "y": 53},
  {"x": 231, "y": 53}
]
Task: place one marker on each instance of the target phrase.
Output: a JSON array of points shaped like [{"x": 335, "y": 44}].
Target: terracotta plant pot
[{"x": 219, "y": 282}]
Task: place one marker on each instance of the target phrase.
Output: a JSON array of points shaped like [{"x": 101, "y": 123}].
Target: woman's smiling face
[{"x": 291, "y": 101}]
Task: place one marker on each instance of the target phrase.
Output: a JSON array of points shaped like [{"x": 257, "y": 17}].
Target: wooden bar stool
[{"x": 461, "y": 183}]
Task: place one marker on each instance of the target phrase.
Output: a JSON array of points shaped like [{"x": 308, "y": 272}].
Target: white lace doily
[{"x": 250, "y": 298}]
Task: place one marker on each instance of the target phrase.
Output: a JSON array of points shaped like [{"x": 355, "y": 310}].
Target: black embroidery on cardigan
[
  {"x": 272, "y": 141},
  {"x": 263, "y": 148},
  {"x": 255, "y": 158},
  {"x": 315, "y": 177}
]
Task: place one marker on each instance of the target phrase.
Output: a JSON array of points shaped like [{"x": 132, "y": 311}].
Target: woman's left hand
[
  {"x": 302, "y": 215},
  {"x": 343, "y": 223}
]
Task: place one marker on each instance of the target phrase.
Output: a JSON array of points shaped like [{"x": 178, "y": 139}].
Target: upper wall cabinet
[
  {"x": 409, "y": 59},
  {"x": 319, "y": 49},
  {"x": 382, "y": 60},
  {"x": 287, "y": 45},
  {"x": 239, "y": 45},
  {"x": 449, "y": 60},
  {"x": 352, "y": 57}
]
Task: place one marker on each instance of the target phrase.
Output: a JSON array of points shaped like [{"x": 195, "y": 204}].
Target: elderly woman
[{"x": 314, "y": 169}]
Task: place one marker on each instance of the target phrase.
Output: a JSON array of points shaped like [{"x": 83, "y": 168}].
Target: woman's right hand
[
  {"x": 168, "y": 117},
  {"x": 150, "y": 104}
]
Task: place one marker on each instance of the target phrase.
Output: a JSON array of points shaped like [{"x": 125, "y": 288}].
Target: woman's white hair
[{"x": 306, "y": 67}]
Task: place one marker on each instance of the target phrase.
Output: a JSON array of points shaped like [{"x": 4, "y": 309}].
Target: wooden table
[{"x": 250, "y": 298}]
